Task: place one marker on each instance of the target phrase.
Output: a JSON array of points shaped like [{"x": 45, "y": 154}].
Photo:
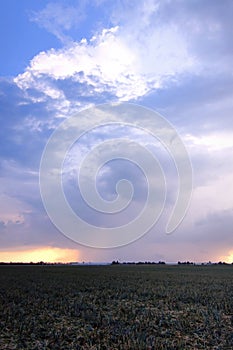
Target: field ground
[{"x": 116, "y": 307}]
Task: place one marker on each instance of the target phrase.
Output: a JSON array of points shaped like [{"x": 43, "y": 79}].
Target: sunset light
[
  {"x": 46, "y": 254},
  {"x": 227, "y": 258}
]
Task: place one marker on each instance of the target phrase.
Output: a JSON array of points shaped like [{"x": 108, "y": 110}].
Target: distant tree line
[
  {"x": 116, "y": 262},
  {"x": 185, "y": 263},
  {"x": 138, "y": 263}
]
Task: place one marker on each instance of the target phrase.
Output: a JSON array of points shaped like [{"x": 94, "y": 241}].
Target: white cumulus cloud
[{"x": 125, "y": 61}]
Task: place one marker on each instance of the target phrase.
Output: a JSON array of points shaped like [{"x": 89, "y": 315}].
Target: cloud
[
  {"x": 127, "y": 61},
  {"x": 146, "y": 46},
  {"x": 59, "y": 18},
  {"x": 98, "y": 65},
  {"x": 2, "y": 225},
  {"x": 218, "y": 141}
]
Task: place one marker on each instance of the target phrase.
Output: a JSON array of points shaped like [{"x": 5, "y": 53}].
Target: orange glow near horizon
[
  {"x": 46, "y": 254},
  {"x": 228, "y": 259}
]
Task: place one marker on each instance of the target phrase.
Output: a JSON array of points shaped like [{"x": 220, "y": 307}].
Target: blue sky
[{"x": 60, "y": 57}]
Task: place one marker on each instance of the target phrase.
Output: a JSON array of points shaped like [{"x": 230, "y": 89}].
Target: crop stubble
[{"x": 116, "y": 307}]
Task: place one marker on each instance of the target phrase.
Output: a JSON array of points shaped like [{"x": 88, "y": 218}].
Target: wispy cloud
[{"x": 59, "y": 18}]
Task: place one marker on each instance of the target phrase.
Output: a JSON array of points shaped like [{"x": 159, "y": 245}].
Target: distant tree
[{"x": 115, "y": 262}]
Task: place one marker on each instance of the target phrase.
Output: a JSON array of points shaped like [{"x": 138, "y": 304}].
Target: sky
[{"x": 60, "y": 58}]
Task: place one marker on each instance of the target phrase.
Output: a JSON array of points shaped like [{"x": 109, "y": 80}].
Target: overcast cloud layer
[{"x": 174, "y": 57}]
